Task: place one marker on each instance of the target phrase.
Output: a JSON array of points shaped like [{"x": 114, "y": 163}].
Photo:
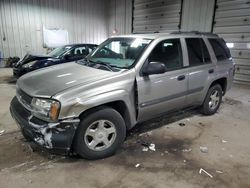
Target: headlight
[
  {"x": 45, "y": 109},
  {"x": 28, "y": 65}
]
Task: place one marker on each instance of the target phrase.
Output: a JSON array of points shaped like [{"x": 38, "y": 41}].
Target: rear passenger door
[
  {"x": 201, "y": 69},
  {"x": 163, "y": 92}
]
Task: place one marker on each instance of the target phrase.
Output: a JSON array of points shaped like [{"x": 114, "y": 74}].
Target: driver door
[{"x": 160, "y": 93}]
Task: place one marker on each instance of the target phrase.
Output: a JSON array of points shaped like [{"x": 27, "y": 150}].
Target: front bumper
[{"x": 55, "y": 137}]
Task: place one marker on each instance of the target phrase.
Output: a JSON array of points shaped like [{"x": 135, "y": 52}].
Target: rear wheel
[
  {"x": 212, "y": 101},
  {"x": 100, "y": 134}
]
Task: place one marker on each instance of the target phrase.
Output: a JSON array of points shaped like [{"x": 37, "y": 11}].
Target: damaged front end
[{"x": 56, "y": 137}]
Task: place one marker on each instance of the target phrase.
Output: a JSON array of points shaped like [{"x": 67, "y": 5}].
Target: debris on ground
[
  {"x": 182, "y": 124},
  {"x": 146, "y": 134},
  {"x": 188, "y": 119},
  {"x": 203, "y": 149},
  {"x": 1, "y": 132},
  {"x": 145, "y": 144},
  {"x": 200, "y": 123},
  {"x": 219, "y": 172},
  {"x": 187, "y": 150},
  {"x": 166, "y": 152},
  {"x": 184, "y": 161},
  {"x": 152, "y": 147},
  {"x": 149, "y": 133},
  {"x": 137, "y": 165},
  {"x": 145, "y": 149},
  {"x": 223, "y": 141},
  {"x": 204, "y": 171}
]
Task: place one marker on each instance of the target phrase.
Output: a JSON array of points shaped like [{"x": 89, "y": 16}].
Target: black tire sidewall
[
  {"x": 107, "y": 114},
  {"x": 205, "y": 108}
]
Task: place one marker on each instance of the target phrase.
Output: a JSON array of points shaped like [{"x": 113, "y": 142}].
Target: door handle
[
  {"x": 211, "y": 71},
  {"x": 180, "y": 78}
]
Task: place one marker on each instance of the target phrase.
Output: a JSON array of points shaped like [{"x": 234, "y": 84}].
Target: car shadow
[{"x": 161, "y": 121}]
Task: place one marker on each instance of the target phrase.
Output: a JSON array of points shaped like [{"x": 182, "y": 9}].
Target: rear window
[
  {"x": 197, "y": 52},
  {"x": 220, "y": 48}
]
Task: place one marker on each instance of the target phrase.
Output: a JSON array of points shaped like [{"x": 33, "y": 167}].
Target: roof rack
[{"x": 195, "y": 33}]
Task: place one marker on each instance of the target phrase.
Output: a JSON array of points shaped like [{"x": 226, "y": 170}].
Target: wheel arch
[
  {"x": 222, "y": 82},
  {"x": 119, "y": 105}
]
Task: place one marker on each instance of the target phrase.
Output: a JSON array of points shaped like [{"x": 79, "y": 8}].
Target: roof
[{"x": 176, "y": 34}]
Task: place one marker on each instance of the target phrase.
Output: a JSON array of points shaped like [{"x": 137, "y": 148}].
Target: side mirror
[{"x": 154, "y": 68}]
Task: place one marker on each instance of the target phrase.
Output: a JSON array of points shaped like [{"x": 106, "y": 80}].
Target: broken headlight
[
  {"x": 30, "y": 64},
  {"x": 45, "y": 109}
]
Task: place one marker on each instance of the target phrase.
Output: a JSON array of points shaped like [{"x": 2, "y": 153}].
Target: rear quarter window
[{"x": 220, "y": 48}]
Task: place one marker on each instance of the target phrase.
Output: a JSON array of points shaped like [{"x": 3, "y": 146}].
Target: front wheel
[
  {"x": 100, "y": 134},
  {"x": 212, "y": 101}
]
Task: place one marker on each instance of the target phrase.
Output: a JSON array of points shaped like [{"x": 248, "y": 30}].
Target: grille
[{"x": 24, "y": 97}]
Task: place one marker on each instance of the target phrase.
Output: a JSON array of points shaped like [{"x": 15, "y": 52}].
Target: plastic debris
[
  {"x": 182, "y": 124},
  {"x": 184, "y": 161},
  {"x": 188, "y": 119},
  {"x": 223, "y": 141},
  {"x": 1, "y": 132},
  {"x": 137, "y": 165},
  {"x": 203, "y": 149},
  {"x": 145, "y": 149},
  {"x": 152, "y": 147},
  {"x": 187, "y": 150},
  {"x": 204, "y": 171},
  {"x": 219, "y": 172}
]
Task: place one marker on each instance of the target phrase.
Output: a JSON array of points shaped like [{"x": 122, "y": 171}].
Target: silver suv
[{"x": 87, "y": 106}]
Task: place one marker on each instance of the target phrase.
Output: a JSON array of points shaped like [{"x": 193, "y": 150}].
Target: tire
[
  {"x": 104, "y": 126},
  {"x": 210, "y": 106}
]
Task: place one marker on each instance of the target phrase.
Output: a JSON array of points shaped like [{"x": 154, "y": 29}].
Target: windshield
[
  {"x": 59, "y": 51},
  {"x": 119, "y": 52}
]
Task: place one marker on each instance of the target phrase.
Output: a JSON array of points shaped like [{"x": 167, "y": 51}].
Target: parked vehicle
[
  {"x": 88, "y": 106},
  {"x": 59, "y": 55}
]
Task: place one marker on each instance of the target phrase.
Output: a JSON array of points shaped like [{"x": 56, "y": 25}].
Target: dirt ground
[{"x": 186, "y": 143}]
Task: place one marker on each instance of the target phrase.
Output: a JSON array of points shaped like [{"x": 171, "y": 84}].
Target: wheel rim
[
  {"x": 214, "y": 100},
  {"x": 100, "y": 135}
]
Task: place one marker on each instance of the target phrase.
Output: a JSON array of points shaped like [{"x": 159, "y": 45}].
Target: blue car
[{"x": 59, "y": 55}]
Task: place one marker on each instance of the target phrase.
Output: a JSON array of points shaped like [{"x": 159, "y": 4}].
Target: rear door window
[
  {"x": 220, "y": 48},
  {"x": 197, "y": 52}
]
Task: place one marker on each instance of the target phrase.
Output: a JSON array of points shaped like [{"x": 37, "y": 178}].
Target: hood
[
  {"x": 52, "y": 80},
  {"x": 29, "y": 57}
]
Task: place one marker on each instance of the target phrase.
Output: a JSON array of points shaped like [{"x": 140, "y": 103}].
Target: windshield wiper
[
  {"x": 105, "y": 64},
  {"x": 88, "y": 62}
]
